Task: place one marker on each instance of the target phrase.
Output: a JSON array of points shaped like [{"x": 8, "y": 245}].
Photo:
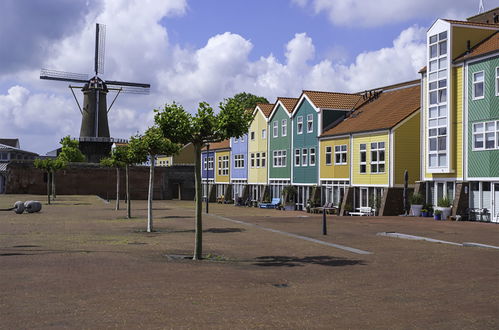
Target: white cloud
[{"x": 368, "y": 13}]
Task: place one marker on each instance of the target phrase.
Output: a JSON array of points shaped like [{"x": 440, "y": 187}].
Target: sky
[{"x": 202, "y": 50}]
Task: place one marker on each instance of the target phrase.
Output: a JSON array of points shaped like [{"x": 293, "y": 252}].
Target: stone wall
[{"x": 93, "y": 179}]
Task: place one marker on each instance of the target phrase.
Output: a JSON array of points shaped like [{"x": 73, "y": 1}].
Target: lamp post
[{"x": 207, "y": 175}]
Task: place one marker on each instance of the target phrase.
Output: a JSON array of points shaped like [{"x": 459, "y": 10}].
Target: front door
[{"x": 495, "y": 204}]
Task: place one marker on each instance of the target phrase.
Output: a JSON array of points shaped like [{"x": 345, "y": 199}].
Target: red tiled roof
[
  {"x": 384, "y": 112},
  {"x": 486, "y": 46},
  {"x": 266, "y": 108},
  {"x": 288, "y": 102},
  {"x": 333, "y": 100},
  {"x": 225, "y": 144}
]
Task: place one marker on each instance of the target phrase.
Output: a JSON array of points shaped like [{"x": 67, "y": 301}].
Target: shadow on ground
[
  {"x": 210, "y": 230},
  {"x": 285, "y": 261}
]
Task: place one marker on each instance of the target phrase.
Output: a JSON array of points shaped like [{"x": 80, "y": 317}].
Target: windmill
[{"x": 95, "y": 140}]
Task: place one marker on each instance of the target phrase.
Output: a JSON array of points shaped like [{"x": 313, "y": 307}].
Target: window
[
  {"x": 279, "y": 158},
  {"x": 275, "y": 129},
  {"x": 252, "y": 136},
  {"x": 297, "y": 157},
  {"x": 264, "y": 134},
  {"x": 328, "y": 155},
  {"x": 378, "y": 157},
  {"x": 257, "y": 159},
  {"x": 284, "y": 127},
  {"x": 223, "y": 165},
  {"x": 312, "y": 157},
  {"x": 299, "y": 125},
  {"x": 239, "y": 161},
  {"x": 478, "y": 85},
  {"x": 437, "y": 95},
  {"x": 363, "y": 156},
  {"x": 497, "y": 81},
  {"x": 486, "y": 135},
  {"x": 304, "y": 157},
  {"x": 264, "y": 159},
  {"x": 211, "y": 160},
  {"x": 252, "y": 160},
  {"x": 340, "y": 154},
  {"x": 310, "y": 123},
  {"x": 205, "y": 163}
]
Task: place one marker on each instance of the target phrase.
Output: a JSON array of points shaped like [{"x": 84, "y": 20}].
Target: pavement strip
[
  {"x": 305, "y": 238},
  {"x": 421, "y": 238}
]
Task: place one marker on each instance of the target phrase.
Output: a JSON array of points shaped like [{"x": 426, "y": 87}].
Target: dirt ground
[{"x": 81, "y": 264}]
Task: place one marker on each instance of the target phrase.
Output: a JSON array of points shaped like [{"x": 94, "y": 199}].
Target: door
[
  {"x": 364, "y": 200},
  {"x": 495, "y": 204},
  {"x": 300, "y": 198}
]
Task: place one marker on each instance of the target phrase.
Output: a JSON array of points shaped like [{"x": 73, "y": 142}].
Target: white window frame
[
  {"x": 304, "y": 157},
  {"x": 242, "y": 138},
  {"x": 252, "y": 136},
  {"x": 264, "y": 133},
  {"x": 311, "y": 161},
  {"x": 328, "y": 150},
  {"x": 363, "y": 150},
  {"x": 284, "y": 127},
  {"x": 263, "y": 161},
  {"x": 310, "y": 123},
  {"x": 279, "y": 158},
  {"x": 493, "y": 130},
  {"x": 297, "y": 157},
  {"x": 239, "y": 161},
  {"x": 275, "y": 129},
  {"x": 252, "y": 160},
  {"x": 211, "y": 161},
  {"x": 205, "y": 163},
  {"x": 378, "y": 149},
  {"x": 225, "y": 165},
  {"x": 299, "y": 125},
  {"x": 475, "y": 82},
  {"x": 257, "y": 158},
  {"x": 340, "y": 154}
]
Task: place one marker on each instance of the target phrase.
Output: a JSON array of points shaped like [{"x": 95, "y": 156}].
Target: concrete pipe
[
  {"x": 19, "y": 207},
  {"x": 32, "y": 206}
]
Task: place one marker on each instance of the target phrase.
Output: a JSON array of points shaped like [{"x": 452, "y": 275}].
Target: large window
[
  {"x": 304, "y": 157},
  {"x": 297, "y": 157},
  {"x": 378, "y": 157},
  {"x": 329, "y": 155},
  {"x": 210, "y": 163},
  {"x": 363, "y": 158},
  {"x": 279, "y": 158},
  {"x": 340, "y": 154},
  {"x": 252, "y": 160},
  {"x": 486, "y": 135},
  {"x": 478, "y": 85},
  {"x": 284, "y": 127},
  {"x": 310, "y": 123},
  {"x": 312, "y": 157},
  {"x": 257, "y": 157},
  {"x": 299, "y": 125},
  {"x": 497, "y": 81},
  {"x": 275, "y": 129},
  {"x": 239, "y": 161},
  {"x": 223, "y": 165},
  {"x": 437, "y": 98}
]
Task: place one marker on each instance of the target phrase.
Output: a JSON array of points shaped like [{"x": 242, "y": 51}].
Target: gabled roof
[
  {"x": 225, "y": 144},
  {"x": 453, "y": 21},
  {"x": 384, "y": 112},
  {"x": 288, "y": 103},
  {"x": 487, "y": 46},
  {"x": 266, "y": 108},
  {"x": 332, "y": 100}
]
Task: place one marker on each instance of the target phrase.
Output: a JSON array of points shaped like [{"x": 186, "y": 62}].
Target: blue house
[{"x": 239, "y": 166}]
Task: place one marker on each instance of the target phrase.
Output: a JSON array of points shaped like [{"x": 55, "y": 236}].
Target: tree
[
  {"x": 70, "y": 151},
  {"x": 147, "y": 147},
  {"x": 200, "y": 129},
  {"x": 248, "y": 101},
  {"x": 113, "y": 161},
  {"x": 49, "y": 165}
]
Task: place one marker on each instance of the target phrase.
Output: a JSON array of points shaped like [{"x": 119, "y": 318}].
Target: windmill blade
[
  {"x": 100, "y": 48},
  {"x": 126, "y": 83},
  {"x": 63, "y": 76}
]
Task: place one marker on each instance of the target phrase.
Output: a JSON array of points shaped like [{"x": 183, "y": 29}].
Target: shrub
[
  {"x": 444, "y": 202},
  {"x": 416, "y": 199}
]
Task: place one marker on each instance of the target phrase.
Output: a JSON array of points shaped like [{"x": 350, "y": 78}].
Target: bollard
[
  {"x": 324, "y": 224},
  {"x": 19, "y": 207}
]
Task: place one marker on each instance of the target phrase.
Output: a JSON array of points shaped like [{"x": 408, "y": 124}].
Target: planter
[
  {"x": 416, "y": 210},
  {"x": 424, "y": 214},
  {"x": 436, "y": 216},
  {"x": 445, "y": 211},
  {"x": 289, "y": 207}
]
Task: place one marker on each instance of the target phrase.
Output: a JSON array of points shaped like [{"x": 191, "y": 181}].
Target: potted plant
[
  {"x": 424, "y": 212},
  {"x": 437, "y": 215},
  {"x": 445, "y": 206},
  {"x": 429, "y": 208},
  {"x": 288, "y": 197},
  {"x": 417, "y": 201},
  {"x": 348, "y": 208}
]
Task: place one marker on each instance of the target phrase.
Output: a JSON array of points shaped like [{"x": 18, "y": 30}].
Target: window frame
[
  {"x": 474, "y": 83},
  {"x": 379, "y": 148},
  {"x": 297, "y": 157},
  {"x": 328, "y": 154},
  {"x": 239, "y": 161},
  {"x": 252, "y": 135},
  {"x": 304, "y": 157},
  {"x": 299, "y": 125},
  {"x": 264, "y": 133},
  {"x": 483, "y": 134},
  {"x": 311, "y": 153},
  {"x": 363, "y": 163},
  {"x": 284, "y": 127},
  {"x": 252, "y": 160},
  {"x": 275, "y": 129},
  {"x": 497, "y": 80},
  {"x": 310, "y": 123},
  {"x": 341, "y": 153}
]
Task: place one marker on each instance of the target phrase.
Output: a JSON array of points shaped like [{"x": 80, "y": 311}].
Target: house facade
[{"x": 239, "y": 166}]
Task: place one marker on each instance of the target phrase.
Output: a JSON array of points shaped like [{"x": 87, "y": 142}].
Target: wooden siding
[
  {"x": 406, "y": 142},
  {"x": 305, "y": 174},
  {"x": 222, "y": 178},
  {"x": 280, "y": 143},
  {"x": 257, "y": 175},
  {"x": 368, "y": 178},
  {"x": 334, "y": 171}
]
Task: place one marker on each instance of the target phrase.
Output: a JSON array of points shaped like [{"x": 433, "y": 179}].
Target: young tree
[
  {"x": 148, "y": 146},
  {"x": 56, "y": 165},
  {"x": 127, "y": 156},
  {"x": 200, "y": 129},
  {"x": 70, "y": 152},
  {"x": 49, "y": 165},
  {"x": 113, "y": 161}
]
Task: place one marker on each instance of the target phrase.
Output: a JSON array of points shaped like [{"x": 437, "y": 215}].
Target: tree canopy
[
  {"x": 70, "y": 151},
  {"x": 247, "y": 100}
]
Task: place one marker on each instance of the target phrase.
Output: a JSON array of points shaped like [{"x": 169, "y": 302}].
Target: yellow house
[
  {"x": 376, "y": 143},
  {"x": 185, "y": 156},
  {"x": 258, "y": 151}
]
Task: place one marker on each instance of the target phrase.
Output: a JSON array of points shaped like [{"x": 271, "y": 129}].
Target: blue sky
[{"x": 202, "y": 50}]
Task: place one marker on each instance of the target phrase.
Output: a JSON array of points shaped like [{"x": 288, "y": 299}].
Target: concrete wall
[{"x": 93, "y": 179}]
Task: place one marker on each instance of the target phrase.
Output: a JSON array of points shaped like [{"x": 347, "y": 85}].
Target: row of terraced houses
[{"x": 352, "y": 149}]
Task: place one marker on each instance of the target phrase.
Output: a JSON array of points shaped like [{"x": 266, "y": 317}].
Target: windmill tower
[{"x": 95, "y": 140}]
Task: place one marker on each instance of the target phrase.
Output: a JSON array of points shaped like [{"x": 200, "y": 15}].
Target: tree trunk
[
  {"x": 128, "y": 207},
  {"x": 53, "y": 184},
  {"x": 48, "y": 187},
  {"x": 117, "y": 188},
  {"x": 198, "y": 248},
  {"x": 149, "y": 197}
]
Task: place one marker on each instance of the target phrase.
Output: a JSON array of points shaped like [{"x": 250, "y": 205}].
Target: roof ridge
[
  {"x": 403, "y": 84},
  {"x": 456, "y": 21},
  {"x": 325, "y": 92}
]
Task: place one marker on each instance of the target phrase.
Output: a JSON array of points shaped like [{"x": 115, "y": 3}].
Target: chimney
[{"x": 468, "y": 46}]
